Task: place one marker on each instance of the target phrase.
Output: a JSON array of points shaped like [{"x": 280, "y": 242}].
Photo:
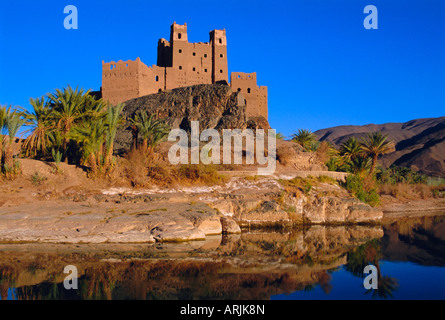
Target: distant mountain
[{"x": 420, "y": 143}]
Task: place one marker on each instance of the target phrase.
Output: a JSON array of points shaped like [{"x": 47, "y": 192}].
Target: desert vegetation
[
  {"x": 69, "y": 126},
  {"x": 367, "y": 180},
  {"x": 72, "y": 126}
]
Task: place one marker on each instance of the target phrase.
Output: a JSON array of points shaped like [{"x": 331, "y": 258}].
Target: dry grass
[
  {"x": 143, "y": 169},
  {"x": 407, "y": 191},
  {"x": 199, "y": 174},
  {"x": 287, "y": 152},
  {"x": 323, "y": 152},
  {"x": 298, "y": 185}
]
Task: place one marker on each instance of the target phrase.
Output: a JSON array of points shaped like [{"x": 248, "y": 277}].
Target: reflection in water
[
  {"x": 370, "y": 254},
  {"x": 254, "y": 265}
]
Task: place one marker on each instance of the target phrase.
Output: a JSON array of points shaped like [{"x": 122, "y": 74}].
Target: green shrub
[
  {"x": 362, "y": 189},
  {"x": 37, "y": 179},
  {"x": 395, "y": 174},
  {"x": 11, "y": 172}
]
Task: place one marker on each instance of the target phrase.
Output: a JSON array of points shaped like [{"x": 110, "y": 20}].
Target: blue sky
[{"x": 322, "y": 67}]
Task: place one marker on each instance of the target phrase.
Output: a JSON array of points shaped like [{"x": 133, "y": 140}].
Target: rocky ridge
[{"x": 215, "y": 106}]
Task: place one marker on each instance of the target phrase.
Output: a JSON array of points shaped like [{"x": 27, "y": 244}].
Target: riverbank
[{"x": 43, "y": 205}]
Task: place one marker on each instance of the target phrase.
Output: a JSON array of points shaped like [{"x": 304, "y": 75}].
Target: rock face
[
  {"x": 304, "y": 210},
  {"x": 215, "y": 106},
  {"x": 180, "y": 222},
  {"x": 229, "y": 226}
]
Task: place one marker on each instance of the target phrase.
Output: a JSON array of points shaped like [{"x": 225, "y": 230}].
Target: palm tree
[
  {"x": 375, "y": 145},
  {"x": 351, "y": 149},
  {"x": 304, "y": 137},
  {"x": 152, "y": 131},
  {"x": 359, "y": 164},
  {"x": 41, "y": 126},
  {"x": 93, "y": 108},
  {"x": 90, "y": 136},
  {"x": 4, "y": 111},
  {"x": 68, "y": 108},
  {"x": 370, "y": 254},
  {"x": 114, "y": 119},
  {"x": 14, "y": 121},
  {"x": 386, "y": 286}
]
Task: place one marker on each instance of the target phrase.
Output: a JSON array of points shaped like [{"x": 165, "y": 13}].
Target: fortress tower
[{"x": 181, "y": 64}]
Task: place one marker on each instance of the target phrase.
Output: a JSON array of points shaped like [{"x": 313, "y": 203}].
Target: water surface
[{"x": 313, "y": 262}]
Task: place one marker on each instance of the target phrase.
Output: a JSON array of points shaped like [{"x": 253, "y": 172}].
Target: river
[{"x": 311, "y": 262}]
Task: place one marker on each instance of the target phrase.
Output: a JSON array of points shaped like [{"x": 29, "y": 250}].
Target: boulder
[{"x": 229, "y": 226}]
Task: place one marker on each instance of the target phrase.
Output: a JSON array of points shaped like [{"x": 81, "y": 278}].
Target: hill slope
[{"x": 420, "y": 143}]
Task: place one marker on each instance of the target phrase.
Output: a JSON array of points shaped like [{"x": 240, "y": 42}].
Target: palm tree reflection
[{"x": 370, "y": 254}]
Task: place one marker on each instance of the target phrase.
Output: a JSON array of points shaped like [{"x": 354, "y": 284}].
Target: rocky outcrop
[
  {"x": 215, "y": 106},
  {"x": 145, "y": 222},
  {"x": 296, "y": 211},
  {"x": 229, "y": 226}
]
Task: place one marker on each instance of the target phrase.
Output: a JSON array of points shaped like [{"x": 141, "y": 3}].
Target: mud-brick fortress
[{"x": 182, "y": 64}]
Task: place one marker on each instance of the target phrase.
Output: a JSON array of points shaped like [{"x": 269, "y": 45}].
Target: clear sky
[{"x": 322, "y": 67}]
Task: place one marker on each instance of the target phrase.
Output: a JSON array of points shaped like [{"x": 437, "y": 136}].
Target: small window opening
[
  {"x": 194, "y": 53},
  {"x": 220, "y": 40},
  {"x": 180, "y": 67},
  {"x": 248, "y": 90},
  {"x": 180, "y": 50},
  {"x": 157, "y": 78},
  {"x": 179, "y": 36}
]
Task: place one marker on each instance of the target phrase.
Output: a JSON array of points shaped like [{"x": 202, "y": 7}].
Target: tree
[
  {"x": 370, "y": 254},
  {"x": 280, "y": 136},
  {"x": 359, "y": 164},
  {"x": 114, "y": 119},
  {"x": 152, "y": 131},
  {"x": 374, "y": 145},
  {"x": 304, "y": 137},
  {"x": 68, "y": 109},
  {"x": 351, "y": 149},
  {"x": 41, "y": 126},
  {"x": 4, "y": 111},
  {"x": 14, "y": 121},
  {"x": 90, "y": 137}
]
